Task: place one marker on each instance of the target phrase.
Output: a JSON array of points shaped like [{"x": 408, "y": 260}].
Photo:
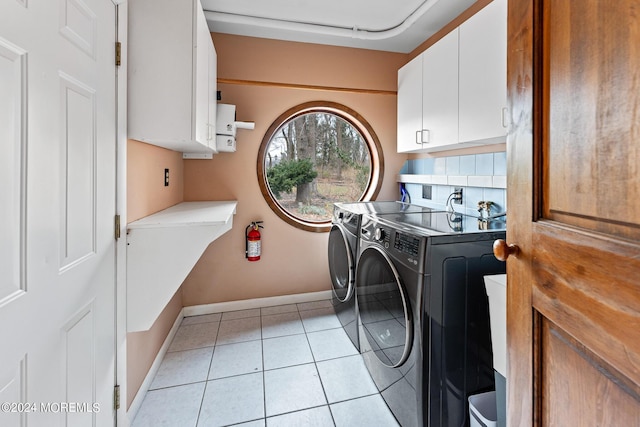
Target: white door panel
[
  {"x": 58, "y": 138},
  {"x": 13, "y": 69}
]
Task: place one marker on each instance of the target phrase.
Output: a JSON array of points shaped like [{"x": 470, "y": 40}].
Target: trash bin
[
  {"x": 496, "y": 286},
  {"x": 482, "y": 410}
]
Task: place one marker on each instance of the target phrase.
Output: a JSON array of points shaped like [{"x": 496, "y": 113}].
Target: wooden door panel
[
  {"x": 587, "y": 283},
  {"x": 592, "y": 96},
  {"x": 580, "y": 387},
  {"x": 574, "y": 288},
  {"x": 573, "y": 317}
]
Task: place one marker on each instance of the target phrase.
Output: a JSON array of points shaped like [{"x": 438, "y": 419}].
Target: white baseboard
[
  {"x": 148, "y": 379},
  {"x": 196, "y": 310},
  {"x": 219, "y": 307}
]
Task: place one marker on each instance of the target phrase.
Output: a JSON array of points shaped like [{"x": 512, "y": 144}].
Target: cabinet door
[
  {"x": 212, "y": 88},
  {"x": 201, "y": 93},
  {"x": 409, "y": 105},
  {"x": 159, "y": 88},
  {"x": 168, "y": 68},
  {"x": 483, "y": 73},
  {"x": 440, "y": 92}
]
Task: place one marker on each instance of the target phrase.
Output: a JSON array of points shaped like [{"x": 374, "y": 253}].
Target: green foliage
[
  {"x": 290, "y": 173},
  {"x": 312, "y": 210},
  {"x": 362, "y": 177}
]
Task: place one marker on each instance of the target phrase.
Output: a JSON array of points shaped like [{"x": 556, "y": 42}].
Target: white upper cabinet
[
  {"x": 483, "y": 74},
  {"x": 428, "y": 98},
  {"x": 440, "y": 93},
  {"x": 171, "y": 76},
  {"x": 459, "y": 97},
  {"x": 410, "y": 106}
]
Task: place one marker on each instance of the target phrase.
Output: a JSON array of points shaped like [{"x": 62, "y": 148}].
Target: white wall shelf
[
  {"x": 161, "y": 251},
  {"x": 485, "y": 181}
]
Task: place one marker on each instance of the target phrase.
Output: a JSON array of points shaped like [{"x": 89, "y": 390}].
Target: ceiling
[{"x": 388, "y": 25}]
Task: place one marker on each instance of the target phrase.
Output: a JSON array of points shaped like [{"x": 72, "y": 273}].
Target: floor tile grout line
[
  {"x": 262, "y": 339},
  {"x": 324, "y": 391},
  {"x": 264, "y": 378},
  {"x": 301, "y": 410},
  {"x": 204, "y": 392},
  {"x": 206, "y": 383},
  {"x": 176, "y": 385}
]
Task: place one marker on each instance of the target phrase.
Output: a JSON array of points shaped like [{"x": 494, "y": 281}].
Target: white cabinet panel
[
  {"x": 428, "y": 98},
  {"x": 440, "y": 93},
  {"x": 483, "y": 74},
  {"x": 410, "y": 105},
  {"x": 171, "y": 85}
]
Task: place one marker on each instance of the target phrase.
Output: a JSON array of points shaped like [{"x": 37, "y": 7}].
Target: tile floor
[{"x": 288, "y": 365}]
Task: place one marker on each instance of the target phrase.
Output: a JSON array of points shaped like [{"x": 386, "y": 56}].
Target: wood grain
[
  {"x": 614, "y": 403},
  {"x": 573, "y": 316},
  {"x": 520, "y": 197}
]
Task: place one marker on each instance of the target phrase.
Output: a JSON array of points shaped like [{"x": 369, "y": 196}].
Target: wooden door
[
  {"x": 574, "y": 212},
  {"x": 57, "y": 204}
]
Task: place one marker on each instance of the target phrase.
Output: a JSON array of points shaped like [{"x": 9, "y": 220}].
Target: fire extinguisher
[{"x": 252, "y": 241}]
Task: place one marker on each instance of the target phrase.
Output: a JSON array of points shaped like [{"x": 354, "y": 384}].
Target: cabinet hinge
[
  {"x": 117, "y": 227},
  {"x": 118, "y": 53},
  {"x": 116, "y": 397}
]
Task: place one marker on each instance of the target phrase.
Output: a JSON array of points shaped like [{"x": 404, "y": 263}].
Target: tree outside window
[{"x": 315, "y": 157}]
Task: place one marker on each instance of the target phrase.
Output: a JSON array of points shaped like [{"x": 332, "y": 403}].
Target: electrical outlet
[
  {"x": 166, "y": 177},
  {"x": 457, "y": 195},
  {"x": 427, "y": 192}
]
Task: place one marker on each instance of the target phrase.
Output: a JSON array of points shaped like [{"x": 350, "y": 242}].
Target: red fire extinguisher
[{"x": 252, "y": 241}]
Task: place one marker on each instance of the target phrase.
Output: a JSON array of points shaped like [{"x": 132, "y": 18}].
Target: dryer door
[
  {"x": 384, "y": 307},
  {"x": 341, "y": 263}
]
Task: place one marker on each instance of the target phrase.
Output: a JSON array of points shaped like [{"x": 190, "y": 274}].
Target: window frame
[{"x": 355, "y": 120}]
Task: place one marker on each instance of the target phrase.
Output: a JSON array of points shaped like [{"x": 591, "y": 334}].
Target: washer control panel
[{"x": 407, "y": 244}]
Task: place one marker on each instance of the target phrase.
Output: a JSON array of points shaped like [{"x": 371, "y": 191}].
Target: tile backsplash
[{"x": 482, "y": 177}]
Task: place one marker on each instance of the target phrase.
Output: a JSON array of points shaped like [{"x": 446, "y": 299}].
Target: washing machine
[
  {"x": 343, "y": 252},
  {"x": 423, "y": 313},
  {"x": 343, "y": 246}
]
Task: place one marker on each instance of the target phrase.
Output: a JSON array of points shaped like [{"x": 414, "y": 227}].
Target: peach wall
[
  {"x": 143, "y": 347},
  {"x": 256, "y": 59},
  {"x": 293, "y": 261},
  {"x": 146, "y": 194}
]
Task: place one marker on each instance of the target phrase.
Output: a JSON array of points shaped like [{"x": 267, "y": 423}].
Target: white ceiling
[{"x": 388, "y": 25}]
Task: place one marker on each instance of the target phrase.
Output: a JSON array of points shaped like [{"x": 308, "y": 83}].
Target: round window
[{"x": 315, "y": 155}]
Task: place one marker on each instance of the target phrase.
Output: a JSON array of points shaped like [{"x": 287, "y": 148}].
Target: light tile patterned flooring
[{"x": 287, "y": 365}]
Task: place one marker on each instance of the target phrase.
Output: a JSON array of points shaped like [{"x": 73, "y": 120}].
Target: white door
[{"x": 57, "y": 207}]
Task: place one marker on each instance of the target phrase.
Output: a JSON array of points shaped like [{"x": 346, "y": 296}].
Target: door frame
[
  {"x": 121, "y": 209},
  {"x": 522, "y": 82}
]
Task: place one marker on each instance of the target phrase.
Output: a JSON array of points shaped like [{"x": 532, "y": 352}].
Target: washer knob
[{"x": 379, "y": 234}]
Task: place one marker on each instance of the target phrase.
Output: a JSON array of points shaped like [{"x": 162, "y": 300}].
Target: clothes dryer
[
  {"x": 424, "y": 324},
  {"x": 343, "y": 252}
]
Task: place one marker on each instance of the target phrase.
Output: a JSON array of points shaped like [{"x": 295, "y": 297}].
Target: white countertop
[{"x": 188, "y": 214}]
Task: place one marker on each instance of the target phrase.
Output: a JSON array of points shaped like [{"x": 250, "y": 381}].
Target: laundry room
[
  {"x": 222, "y": 212},
  {"x": 263, "y": 78}
]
